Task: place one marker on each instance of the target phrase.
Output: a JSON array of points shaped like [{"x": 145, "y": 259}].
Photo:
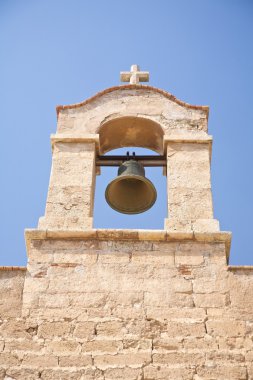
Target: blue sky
[{"x": 62, "y": 52}]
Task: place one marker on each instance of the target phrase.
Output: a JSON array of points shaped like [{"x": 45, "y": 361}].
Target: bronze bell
[{"x": 131, "y": 192}]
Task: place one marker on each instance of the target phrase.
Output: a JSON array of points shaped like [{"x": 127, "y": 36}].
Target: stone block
[
  {"x": 164, "y": 372},
  {"x": 23, "y": 345},
  {"x": 206, "y": 343},
  {"x": 235, "y": 343},
  {"x": 136, "y": 359},
  {"x": 62, "y": 347},
  {"x": 111, "y": 328},
  {"x": 131, "y": 298},
  {"x": 127, "y": 312},
  {"x": 39, "y": 361},
  {"x": 226, "y": 328},
  {"x": 81, "y": 257},
  {"x": 185, "y": 328},
  {"x": 87, "y": 299},
  {"x": 211, "y": 300},
  {"x": 48, "y": 300},
  {"x": 161, "y": 313},
  {"x": 36, "y": 285},
  {"x": 178, "y": 358},
  {"x": 222, "y": 372},
  {"x": 9, "y": 359},
  {"x": 211, "y": 285},
  {"x": 192, "y": 174},
  {"x": 241, "y": 288},
  {"x": 11, "y": 285},
  {"x": 22, "y": 374},
  {"x": 206, "y": 225},
  {"x": 58, "y": 374},
  {"x": 39, "y": 256},
  {"x": 102, "y": 346},
  {"x": 84, "y": 330},
  {"x": 221, "y": 357},
  {"x": 14, "y": 328},
  {"x": 76, "y": 361},
  {"x": 125, "y": 373},
  {"x": 147, "y": 329},
  {"x": 113, "y": 257},
  {"x": 178, "y": 225},
  {"x": 190, "y": 203},
  {"x": 52, "y": 329},
  {"x": 167, "y": 297},
  {"x": 156, "y": 258},
  {"x": 196, "y": 258},
  {"x": 167, "y": 344},
  {"x": 137, "y": 343}
]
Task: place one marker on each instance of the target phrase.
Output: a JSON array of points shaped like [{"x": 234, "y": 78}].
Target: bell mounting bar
[{"x": 147, "y": 161}]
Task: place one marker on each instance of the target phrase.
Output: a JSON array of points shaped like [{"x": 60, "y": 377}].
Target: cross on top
[{"x": 134, "y": 76}]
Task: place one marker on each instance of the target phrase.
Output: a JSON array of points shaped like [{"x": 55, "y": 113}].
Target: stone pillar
[
  {"x": 190, "y": 206},
  {"x": 71, "y": 189}
]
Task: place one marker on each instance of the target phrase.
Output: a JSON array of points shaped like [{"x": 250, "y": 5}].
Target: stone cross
[{"x": 134, "y": 76}]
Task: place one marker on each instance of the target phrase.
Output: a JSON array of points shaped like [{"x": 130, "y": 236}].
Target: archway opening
[
  {"x": 106, "y": 217},
  {"x": 131, "y": 131}
]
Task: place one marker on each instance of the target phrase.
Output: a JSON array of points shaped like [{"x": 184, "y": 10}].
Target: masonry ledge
[
  {"x": 72, "y": 138},
  {"x": 75, "y": 138},
  {"x": 3, "y": 268},
  {"x": 127, "y": 234},
  {"x": 207, "y": 139},
  {"x": 239, "y": 268}
]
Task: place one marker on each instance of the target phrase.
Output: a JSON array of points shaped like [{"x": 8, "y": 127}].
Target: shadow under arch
[{"x": 131, "y": 131}]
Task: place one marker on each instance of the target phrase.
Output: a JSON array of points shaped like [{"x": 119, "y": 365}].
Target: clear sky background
[{"x": 62, "y": 52}]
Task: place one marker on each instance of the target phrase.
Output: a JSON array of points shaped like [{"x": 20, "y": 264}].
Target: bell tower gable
[{"x": 174, "y": 116}]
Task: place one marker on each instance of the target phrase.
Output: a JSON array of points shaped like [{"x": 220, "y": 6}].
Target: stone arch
[{"x": 131, "y": 131}]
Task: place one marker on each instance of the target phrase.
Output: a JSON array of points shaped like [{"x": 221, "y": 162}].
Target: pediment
[{"x": 136, "y": 101}]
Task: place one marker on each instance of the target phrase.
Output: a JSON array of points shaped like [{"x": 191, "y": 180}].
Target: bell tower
[
  {"x": 131, "y": 115},
  {"x": 131, "y": 303}
]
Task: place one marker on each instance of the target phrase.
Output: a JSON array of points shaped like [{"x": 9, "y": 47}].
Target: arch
[{"x": 131, "y": 131}]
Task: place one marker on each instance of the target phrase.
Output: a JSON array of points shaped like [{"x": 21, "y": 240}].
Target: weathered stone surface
[
  {"x": 124, "y": 309},
  {"x": 62, "y": 347},
  {"x": 51, "y": 329},
  {"x": 11, "y": 285},
  {"x": 211, "y": 300},
  {"x": 84, "y": 330},
  {"x": 75, "y": 361},
  {"x": 158, "y": 372},
  {"x": 39, "y": 361},
  {"x": 22, "y": 373},
  {"x": 125, "y": 373},
  {"x": 102, "y": 346},
  {"x": 58, "y": 374},
  {"x": 222, "y": 372},
  {"x": 8, "y": 359},
  {"x": 226, "y": 327},
  {"x": 131, "y": 359},
  {"x": 176, "y": 358}
]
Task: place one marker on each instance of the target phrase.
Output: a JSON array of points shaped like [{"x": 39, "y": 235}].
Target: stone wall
[{"x": 109, "y": 308}]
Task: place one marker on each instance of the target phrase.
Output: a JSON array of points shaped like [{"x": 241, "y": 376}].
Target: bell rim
[{"x": 143, "y": 179}]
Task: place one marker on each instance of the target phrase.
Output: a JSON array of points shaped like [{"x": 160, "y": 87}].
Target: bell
[{"x": 131, "y": 192}]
